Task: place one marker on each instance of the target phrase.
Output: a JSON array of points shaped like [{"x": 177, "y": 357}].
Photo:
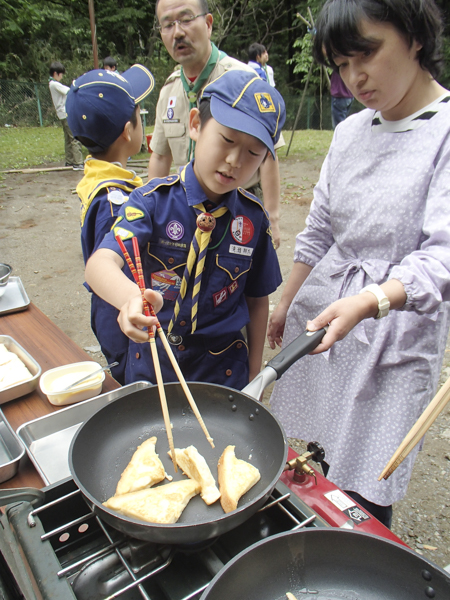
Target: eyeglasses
[{"x": 184, "y": 23}]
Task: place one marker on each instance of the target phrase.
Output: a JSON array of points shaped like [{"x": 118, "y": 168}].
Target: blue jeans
[{"x": 340, "y": 108}]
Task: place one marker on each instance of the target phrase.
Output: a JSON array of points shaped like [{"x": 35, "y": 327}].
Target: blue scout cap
[
  {"x": 100, "y": 103},
  {"x": 243, "y": 101}
]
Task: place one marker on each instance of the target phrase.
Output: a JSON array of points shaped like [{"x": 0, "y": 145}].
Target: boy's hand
[
  {"x": 276, "y": 325},
  {"x": 132, "y": 319}
]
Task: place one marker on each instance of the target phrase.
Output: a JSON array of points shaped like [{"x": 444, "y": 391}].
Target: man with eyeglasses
[{"x": 185, "y": 27}]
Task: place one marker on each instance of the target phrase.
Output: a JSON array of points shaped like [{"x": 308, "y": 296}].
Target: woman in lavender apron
[{"x": 380, "y": 218}]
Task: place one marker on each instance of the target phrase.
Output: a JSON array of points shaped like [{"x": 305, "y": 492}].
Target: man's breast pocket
[
  {"x": 178, "y": 141},
  {"x": 226, "y": 281}
]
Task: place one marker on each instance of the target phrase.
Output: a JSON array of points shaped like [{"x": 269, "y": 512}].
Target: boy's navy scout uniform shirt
[
  {"x": 103, "y": 190},
  {"x": 241, "y": 261}
]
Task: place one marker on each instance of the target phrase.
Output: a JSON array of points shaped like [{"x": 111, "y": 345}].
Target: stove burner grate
[{"x": 100, "y": 563}]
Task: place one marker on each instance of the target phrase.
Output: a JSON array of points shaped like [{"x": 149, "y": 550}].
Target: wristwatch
[{"x": 383, "y": 301}]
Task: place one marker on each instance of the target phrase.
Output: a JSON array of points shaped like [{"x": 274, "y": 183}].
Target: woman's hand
[
  {"x": 342, "y": 316},
  {"x": 275, "y": 328},
  {"x": 132, "y": 319}
]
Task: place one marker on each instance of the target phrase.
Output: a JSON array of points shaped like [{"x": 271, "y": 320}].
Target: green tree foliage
[{"x": 35, "y": 32}]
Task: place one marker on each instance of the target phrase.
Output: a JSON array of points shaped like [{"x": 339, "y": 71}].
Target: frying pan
[
  {"x": 105, "y": 443},
  {"x": 327, "y": 564}
]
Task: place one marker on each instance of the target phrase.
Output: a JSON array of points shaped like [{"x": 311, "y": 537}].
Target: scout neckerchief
[
  {"x": 99, "y": 174},
  {"x": 192, "y": 89},
  {"x": 197, "y": 252}
]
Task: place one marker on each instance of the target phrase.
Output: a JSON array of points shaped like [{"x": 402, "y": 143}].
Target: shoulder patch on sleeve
[
  {"x": 124, "y": 234},
  {"x": 133, "y": 214}
]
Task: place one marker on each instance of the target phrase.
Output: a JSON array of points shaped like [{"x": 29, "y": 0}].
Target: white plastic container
[{"x": 55, "y": 380}]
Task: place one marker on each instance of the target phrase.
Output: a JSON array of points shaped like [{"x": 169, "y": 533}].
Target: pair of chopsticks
[
  {"x": 418, "y": 430},
  {"x": 138, "y": 275}
]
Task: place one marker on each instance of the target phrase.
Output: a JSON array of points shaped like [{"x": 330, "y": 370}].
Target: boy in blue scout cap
[
  {"x": 205, "y": 243},
  {"x": 103, "y": 114}
]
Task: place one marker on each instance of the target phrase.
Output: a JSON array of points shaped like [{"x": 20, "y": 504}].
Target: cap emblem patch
[{"x": 265, "y": 102}]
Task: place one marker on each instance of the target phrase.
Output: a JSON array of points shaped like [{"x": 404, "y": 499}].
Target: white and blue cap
[
  {"x": 101, "y": 102},
  {"x": 243, "y": 101}
]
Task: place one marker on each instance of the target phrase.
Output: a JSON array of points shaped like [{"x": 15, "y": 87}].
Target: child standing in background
[
  {"x": 58, "y": 91},
  {"x": 103, "y": 113}
]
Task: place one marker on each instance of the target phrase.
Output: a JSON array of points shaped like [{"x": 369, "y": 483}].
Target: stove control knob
[{"x": 317, "y": 451}]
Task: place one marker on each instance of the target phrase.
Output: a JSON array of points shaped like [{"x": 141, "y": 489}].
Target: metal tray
[
  {"x": 20, "y": 389},
  {"x": 14, "y": 298},
  {"x": 47, "y": 439},
  {"x": 11, "y": 450}
]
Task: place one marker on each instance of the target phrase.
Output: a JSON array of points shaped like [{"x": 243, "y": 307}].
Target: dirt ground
[{"x": 39, "y": 237}]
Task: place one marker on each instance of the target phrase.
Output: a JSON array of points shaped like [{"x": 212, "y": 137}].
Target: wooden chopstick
[
  {"x": 154, "y": 351},
  {"x": 166, "y": 344},
  {"x": 418, "y": 430}
]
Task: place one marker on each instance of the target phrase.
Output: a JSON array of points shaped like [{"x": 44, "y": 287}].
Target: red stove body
[{"x": 332, "y": 504}]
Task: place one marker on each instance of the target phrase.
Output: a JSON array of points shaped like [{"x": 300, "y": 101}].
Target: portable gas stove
[{"x": 61, "y": 550}]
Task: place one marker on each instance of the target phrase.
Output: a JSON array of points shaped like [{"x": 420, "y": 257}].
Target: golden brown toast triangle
[
  {"x": 236, "y": 477},
  {"x": 195, "y": 466},
  {"x": 144, "y": 469},
  {"x": 162, "y": 504}
]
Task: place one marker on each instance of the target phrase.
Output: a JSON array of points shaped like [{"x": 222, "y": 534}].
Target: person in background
[
  {"x": 58, "y": 91},
  {"x": 255, "y": 52},
  {"x": 103, "y": 113},
  {"x": 341, "y": 99},
  {"x": 267, "y": 68},
  {"x": 186, "y": 31},
  {"x": 374, "y": 259},
  {"x": 205, "y": 243},
  {"x": 110, "y": 63}
]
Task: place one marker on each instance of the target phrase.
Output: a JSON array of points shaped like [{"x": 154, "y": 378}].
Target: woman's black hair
[{"x": 338, "y": 28}]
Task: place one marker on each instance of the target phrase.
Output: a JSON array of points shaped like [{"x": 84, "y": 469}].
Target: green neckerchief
[{"x": 192, "y": 89}]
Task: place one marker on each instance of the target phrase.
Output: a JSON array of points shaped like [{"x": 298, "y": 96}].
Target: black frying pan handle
[{"x": 302, "y": 345}]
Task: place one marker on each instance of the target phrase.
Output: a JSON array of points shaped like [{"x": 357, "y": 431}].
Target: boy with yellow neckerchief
[
  {"x": 103, "y": 114},
  {"x": 205, "y": 242}
]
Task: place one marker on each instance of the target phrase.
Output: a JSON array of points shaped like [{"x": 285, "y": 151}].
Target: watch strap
[{"x": 383, "y": 301}]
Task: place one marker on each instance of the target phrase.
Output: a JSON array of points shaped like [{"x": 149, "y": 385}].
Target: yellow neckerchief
[
  {"x": 196, "y": 258},
  {"x": 99, "y": 174}
]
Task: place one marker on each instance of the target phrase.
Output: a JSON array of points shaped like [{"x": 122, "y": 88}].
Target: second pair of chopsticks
[
  {"x": 418, "y": 430},
  {"x": 148, "y": 309}
]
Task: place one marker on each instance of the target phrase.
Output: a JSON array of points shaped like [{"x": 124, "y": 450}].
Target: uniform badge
[
  {"x": 174, "y": 230},
  {"x": 233, "y": 287},
  {"x": 116, "y": 222},
  {"x": 242, "y": 229},
  {"x": 116, "y": 196},
  {"x": 132, "y": 214},
  {"x": 172, "y": 101},
  {"x": 124, "y": 234},
  {"x": 167, "y": 283},
  {"x": 220, "y": 297},
  {"x": 265, "y": 102},
  {"x": 170, "y": 113}
]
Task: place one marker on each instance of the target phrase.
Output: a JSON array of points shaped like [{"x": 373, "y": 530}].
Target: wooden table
[{"x": 50, "y": 347}]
